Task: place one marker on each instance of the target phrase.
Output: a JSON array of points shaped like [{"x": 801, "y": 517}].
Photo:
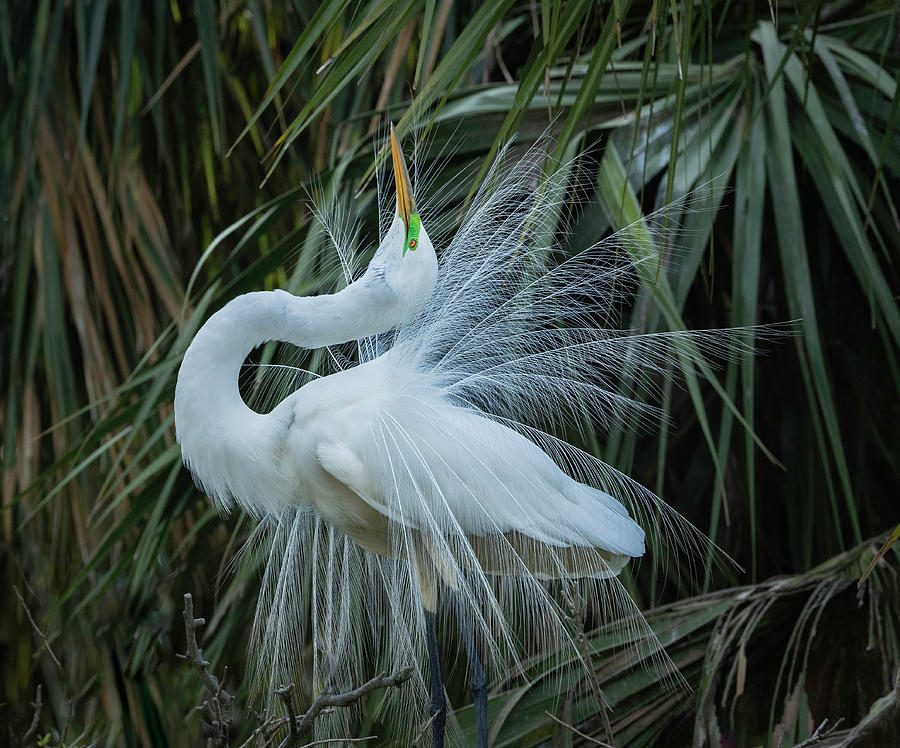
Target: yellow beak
[{"x": 406, "y": 206}]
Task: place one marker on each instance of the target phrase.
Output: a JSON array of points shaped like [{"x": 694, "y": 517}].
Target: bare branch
[
  {"x": 36, "y": 627},
  {"x": 423, "y": 729},
  {"x": 821, "y": 732},
  {"x": 895, "y": 536},
  {"x": 287, "y": 696},
  {"x": 575, "y": 618},
  {"x": 350, "y": 697},
  {"x": 220, "y": 705},
  {"x": 36, "y": 719},
  {"x": 328, "y": 701}
]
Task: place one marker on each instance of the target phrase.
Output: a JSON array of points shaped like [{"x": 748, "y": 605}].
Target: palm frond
[{"x": 149, "y": 170}]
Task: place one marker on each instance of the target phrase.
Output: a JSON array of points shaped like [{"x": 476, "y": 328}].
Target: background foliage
[{"x": 136, "y": 136}]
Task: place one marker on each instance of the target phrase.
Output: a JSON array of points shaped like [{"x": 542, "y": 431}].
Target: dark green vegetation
[{"x": 135, "y": 136}]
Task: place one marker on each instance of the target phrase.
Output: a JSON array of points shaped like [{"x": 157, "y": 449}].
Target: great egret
[{"x": 434, "y": 468}]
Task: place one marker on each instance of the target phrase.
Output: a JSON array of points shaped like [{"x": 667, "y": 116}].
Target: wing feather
[{"x": 446, "y": 471}]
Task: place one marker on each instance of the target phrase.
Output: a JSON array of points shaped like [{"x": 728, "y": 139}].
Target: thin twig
[
  {"x": 36, "y": 627},
  {"x": 895, "y": 536},
  {"x": 350, "y": 697},
  {"x": 220, "y": 705},
  {"x": 576, "y": 605},
  {"x": 820, "y": 733},
  {"x": 260, "y": 730},
  {"x": 577, "y": 732},
  {"x": 338, "y": 740},
  {"x": 186, "y": 60},
  {"x": 423, "y": 729},
  {"x": 301, "y": 725},
  {"x": 36, "y": 719},
  {"x": 287, "y": 696}
]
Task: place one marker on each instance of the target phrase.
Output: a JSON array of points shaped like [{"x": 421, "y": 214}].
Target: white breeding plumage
[{"x": 437, "y": 463}]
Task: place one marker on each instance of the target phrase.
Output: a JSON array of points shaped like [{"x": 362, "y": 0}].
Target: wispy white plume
[{"x": 517, "y": 332}]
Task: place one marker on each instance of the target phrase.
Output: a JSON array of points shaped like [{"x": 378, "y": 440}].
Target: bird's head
[
  {"x": 414, "y": 235},
  {"x": 405, "y": 259}
]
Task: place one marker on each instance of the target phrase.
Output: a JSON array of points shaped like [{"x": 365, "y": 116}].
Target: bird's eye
[{"x": 412, "y": 233}]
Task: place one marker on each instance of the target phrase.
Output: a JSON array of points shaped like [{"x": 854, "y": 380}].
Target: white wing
[{"x": 447, "y": 472}]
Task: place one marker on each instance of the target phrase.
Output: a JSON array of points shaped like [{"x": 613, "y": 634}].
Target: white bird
[{"x": 434, "y": 469}]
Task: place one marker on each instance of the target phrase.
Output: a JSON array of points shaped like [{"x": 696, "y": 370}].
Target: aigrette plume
[{"x": 518, "y": 334}]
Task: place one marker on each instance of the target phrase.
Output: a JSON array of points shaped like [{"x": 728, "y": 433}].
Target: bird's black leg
[
  {"x": 438, "y": 708},
  {"x": 477, "y": 678}
]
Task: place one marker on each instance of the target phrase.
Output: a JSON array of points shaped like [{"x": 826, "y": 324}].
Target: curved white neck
[{"x": 219, "y": 434}]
